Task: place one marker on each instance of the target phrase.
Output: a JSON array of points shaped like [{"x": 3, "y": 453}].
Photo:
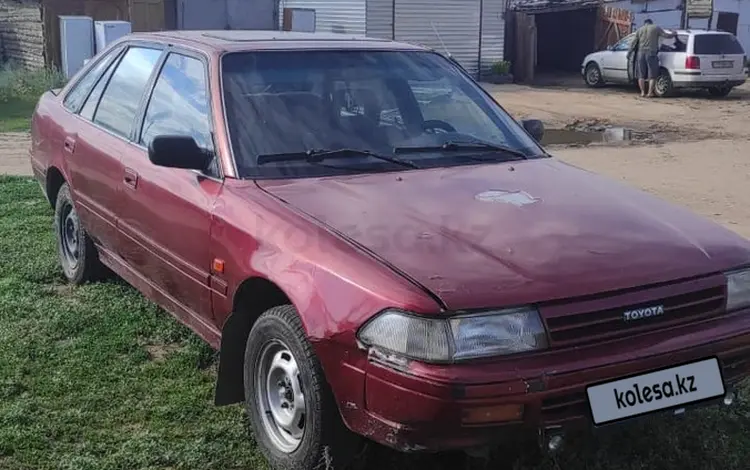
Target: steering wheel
[{"x": 431, "y": 125}]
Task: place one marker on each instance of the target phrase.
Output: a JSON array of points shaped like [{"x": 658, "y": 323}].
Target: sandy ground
[
  {"x": 690, "y": 149},
  {"x": 696, "y": 152},
  {"x": 14, "y": 153}
]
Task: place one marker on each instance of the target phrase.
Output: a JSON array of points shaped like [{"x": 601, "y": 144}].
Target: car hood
[{"x": 515, "y": 233}]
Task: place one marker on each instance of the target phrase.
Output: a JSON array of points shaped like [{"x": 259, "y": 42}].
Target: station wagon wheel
[
  {"x": 292, "y": 411},
  {"x": 663, "y": 86},
  {"x": 593, "y": 75},
  {"x": 78, "y": 256}
]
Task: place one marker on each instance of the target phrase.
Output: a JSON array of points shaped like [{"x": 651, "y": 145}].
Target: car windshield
[
  {"x": 317, "y": 113},
  {"x": 716, "y": 44}
]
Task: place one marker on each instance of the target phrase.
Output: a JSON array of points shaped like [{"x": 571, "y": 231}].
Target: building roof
[
  {"x": 233, "y": 40},
  {"x": 553, "y": 5}
]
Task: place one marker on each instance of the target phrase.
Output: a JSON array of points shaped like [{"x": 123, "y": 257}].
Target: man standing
[{"x": 646, "y": 43}]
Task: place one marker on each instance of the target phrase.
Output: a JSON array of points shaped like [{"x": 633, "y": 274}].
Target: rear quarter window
[
  {"x": 716, "y": 44},
  {"x": 76, "y": 96}
]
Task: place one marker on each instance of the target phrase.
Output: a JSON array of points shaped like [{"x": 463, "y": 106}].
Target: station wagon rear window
[{"x": 716, "y": 44}]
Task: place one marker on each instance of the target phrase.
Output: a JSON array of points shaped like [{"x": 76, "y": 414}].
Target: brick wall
[{"x": 21, "y": 33}]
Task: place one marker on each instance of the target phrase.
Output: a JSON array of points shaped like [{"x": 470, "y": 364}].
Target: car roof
[
  {"x": 695, "y": 32},
  {"x": 247, "y": 40}
]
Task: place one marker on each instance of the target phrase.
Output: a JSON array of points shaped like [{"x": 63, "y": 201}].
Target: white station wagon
[{"x": 712, "y": 60}]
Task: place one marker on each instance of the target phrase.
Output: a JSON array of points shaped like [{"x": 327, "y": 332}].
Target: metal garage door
[{"x": 456, "y": 21}]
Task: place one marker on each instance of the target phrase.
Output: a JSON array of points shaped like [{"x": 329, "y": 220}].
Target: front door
[
  {"x": 615, "y": 62},
  {"x": 165, "y": 219}
]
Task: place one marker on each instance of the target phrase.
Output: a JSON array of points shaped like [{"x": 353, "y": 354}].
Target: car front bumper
[{"x": 411, "y": 411}]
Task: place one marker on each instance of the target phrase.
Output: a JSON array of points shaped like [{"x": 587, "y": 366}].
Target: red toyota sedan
[{"x": 378, "y": 249}]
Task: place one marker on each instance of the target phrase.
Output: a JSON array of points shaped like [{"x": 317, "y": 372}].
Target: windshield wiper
[
  {"x": 457, "y": 145},
  {"x": 317, "y": 156}
]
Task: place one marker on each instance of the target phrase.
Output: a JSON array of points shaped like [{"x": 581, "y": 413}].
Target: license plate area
[
  {"x": 663, "y": 389},
  {"x": 722, "y": 64}
]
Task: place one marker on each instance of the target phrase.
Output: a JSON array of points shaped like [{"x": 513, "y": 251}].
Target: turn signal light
[
  {"x": 692, "y": 62},
  {"x": 492, "y": 414}
]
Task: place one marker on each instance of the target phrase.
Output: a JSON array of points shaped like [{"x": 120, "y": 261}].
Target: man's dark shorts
[{"x": 647, "y": 66}]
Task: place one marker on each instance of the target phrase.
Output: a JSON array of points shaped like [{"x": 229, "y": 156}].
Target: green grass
[
  {"x": 15, "y": 114},
  {"x": 96, "y": 377},
  {"x": 19, "y": 92}
]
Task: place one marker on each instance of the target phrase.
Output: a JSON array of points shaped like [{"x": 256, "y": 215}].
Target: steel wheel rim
[
  {"x": 70, "y": 242},
  {"x": 661, "y": 85},
  {"x": 592, "y": 75},
  {"x": 279, "y": 396}
]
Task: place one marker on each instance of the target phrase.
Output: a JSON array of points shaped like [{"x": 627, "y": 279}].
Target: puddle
[{"x": 585, "y": 137}]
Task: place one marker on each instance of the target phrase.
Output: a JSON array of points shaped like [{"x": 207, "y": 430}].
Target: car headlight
[
  {"x": 738, "y": 289},
  {"x": 461, "y": 337}
]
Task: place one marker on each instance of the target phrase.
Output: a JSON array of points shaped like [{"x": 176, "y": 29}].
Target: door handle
[
  {"x": 131, "y": 178},
  {"x": 69, "y": 144}
]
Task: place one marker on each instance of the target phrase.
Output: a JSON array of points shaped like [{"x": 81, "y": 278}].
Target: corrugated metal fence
[
  {"x": 473, "y": 31},
  {"x": 336, "y": 16}
]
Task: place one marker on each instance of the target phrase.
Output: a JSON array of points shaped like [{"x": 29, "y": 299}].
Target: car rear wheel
[
  {"x": 292, "y": 411},
  {"x": 719, "y": 91},
  {"x": 663, "y": 86},
  {"x": 78, "y": 256},
  {"x": 593, "y": 75}
]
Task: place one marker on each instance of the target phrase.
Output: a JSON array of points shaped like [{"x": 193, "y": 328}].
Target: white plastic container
[
  {"x": 107, "y": 32},
  {"x": 76, "y": 42}
]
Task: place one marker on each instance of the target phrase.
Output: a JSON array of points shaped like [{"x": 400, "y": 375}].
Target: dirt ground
[
  {"x": 690, "y": 149},
  {"x": 14, "y": 153}
]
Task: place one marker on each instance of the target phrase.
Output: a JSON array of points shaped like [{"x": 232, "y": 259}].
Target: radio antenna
[{"x": 434, "y": 29}]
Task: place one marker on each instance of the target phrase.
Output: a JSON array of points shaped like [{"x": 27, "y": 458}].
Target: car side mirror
[
  {"x": 611, "y": 48},
  {"x": 535, "y": 127},
  {"x": 178, "y": 151}
]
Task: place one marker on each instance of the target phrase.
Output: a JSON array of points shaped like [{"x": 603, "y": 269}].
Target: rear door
[
  {"x": 672, "y": 52},
  {"x": 720, "y": 54},
  {"x": 93, "y": 170},
  {"x": 102, "y": 141}
]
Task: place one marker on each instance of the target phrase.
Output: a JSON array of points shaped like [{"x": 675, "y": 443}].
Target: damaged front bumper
[{"x": 408, "y": 412}]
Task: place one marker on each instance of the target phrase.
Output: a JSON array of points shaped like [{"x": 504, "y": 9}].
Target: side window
[
  {"x": 624, "y": 43},
  {"x": 676, "y": 44},
  {"x": 74, "y": 98},
  {"x": 119, "y": 103},
  {"x": 89, "y": 107},
  {"x": 179, "y": 103}
]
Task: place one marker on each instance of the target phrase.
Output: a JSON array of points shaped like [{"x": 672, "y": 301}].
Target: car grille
[
  {"x": 573, "y": 403},
  {"x": 583, "y": 321}
]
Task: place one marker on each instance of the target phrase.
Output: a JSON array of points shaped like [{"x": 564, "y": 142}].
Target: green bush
[
  {"x": 501, "y": 67},
  {"x": 17, "y": 83}
]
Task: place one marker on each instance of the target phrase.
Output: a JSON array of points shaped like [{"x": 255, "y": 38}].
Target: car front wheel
[
  {"x": 292, "y": 411},
  {"x": 593, "y": 75},
  {"x": 78, "y": 256}
]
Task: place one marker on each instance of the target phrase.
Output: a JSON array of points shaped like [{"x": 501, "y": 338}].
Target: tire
[
  {"x": 719, "y": 92},
  {"x": 78, "y": 256},
  {"x": 278, "y": 352},
  {"x": 663, "y": 86},
  {"x": 592, "y": 75}
]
